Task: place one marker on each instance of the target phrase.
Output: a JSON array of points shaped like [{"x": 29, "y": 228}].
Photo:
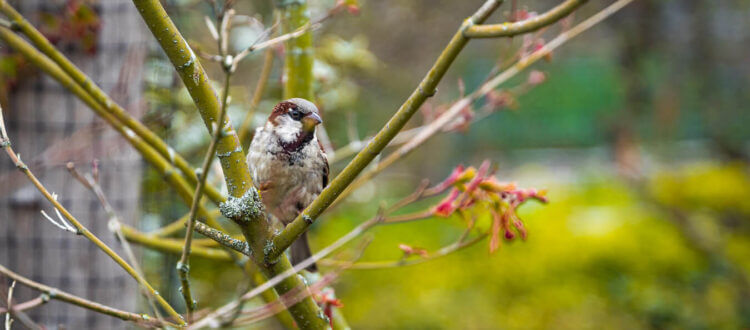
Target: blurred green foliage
[
  {"x": 666, "y": 248},
  {"x": 600, "y": 254}
]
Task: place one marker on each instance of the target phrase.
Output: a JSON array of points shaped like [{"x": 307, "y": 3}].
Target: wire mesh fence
[{"x": 50, "y": 127}]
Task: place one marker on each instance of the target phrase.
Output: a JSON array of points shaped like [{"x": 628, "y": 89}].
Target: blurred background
[{"x": 638, "y": 130}]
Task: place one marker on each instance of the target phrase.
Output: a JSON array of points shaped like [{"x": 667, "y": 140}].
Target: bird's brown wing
[
  {"x": 326, "y": 168},
  {"x": 325, "y": 171}
]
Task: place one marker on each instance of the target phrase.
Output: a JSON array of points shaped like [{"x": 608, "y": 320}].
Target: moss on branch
[
  {"x": 243, "y": 209},
  {"x": 425, "y": 89},
  {"x": 257, "y": 231}
]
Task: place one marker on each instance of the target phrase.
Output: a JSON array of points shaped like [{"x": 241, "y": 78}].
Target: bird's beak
[{"x": 310, "y": 121}]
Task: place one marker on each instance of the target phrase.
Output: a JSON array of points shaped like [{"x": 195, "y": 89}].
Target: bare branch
[
  {"x": 173, "y": 246},
  {"x": 54, "y": 293},
  {"x": 310, "y": 26},
  {"x": 260, "y": 87},
  {"x": 117, "y": 114},
  {"x": 211, "y": 28},
  {"x": 62, "y": 224},
  {"x": 91, "y": 182},
  {"x": 289, "y": 298},
  {"x": 244, "y": 206},
  {"x": 455, "y": 110},
  {"x": 529, "y": 25},
  {"x": 268, "y": 43},
  {"x": 442, "y": 252},
  {"x": 183, "y": 266},
  {"x": 223, "y": 239},
  {"x": 170, "y": 172},
  {"x": 427, "y": 88},
  {"x": 8, "y": 320},
  {"x": 5, "y": 143},
  {"x": 25, "y": 305}
]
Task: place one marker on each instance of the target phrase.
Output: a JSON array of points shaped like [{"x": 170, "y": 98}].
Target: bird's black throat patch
[{"x": 303, "y": 138}]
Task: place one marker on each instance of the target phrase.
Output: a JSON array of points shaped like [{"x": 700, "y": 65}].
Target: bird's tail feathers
[{"x": 300, "y": 250}]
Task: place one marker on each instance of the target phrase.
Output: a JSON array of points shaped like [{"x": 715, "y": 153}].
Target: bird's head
[{"x": 294, "y": 119}]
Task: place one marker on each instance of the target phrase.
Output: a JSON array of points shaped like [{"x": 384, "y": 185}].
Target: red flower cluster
[{"x": 470, "y": 186}]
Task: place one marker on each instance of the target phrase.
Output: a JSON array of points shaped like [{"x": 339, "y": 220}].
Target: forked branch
[
  {"x": 82, "y": 230},
  {"x": 427, "y": 88},
  {"x": 53, "y": 293},
  {"x": 243, "y": 206}
]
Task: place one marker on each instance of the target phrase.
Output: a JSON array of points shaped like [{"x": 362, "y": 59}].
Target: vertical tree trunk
[
  {"x": 50, "y": 127},
  {"x": 637, "y": 44}
]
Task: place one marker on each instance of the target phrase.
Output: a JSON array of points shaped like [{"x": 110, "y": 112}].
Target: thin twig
[
  {"x": 354, "y": 146},
  {"x": 226, "y": 19},
  {"x": 57, "y": 294},
  {"x": 442, "y": 252},
  {"x": 173, "y": 246},
  {"x": 169, "y": 172},
  {"x": 60, "y": 222},
  {"x": 311, "y": 26},
  {"x": 270, "y": 309},
  {"x": 421, "y": 192},
  {"x": 211, "y": 28},
  {"x": 265, "y": 44},
  {"x": 25, "y": 305},
  {"x": 260, "y": 88},
  {"x": 8, "y": 319},
  {"x": 455, "y": 110},
  {"x": 529, "y": 25},
  {"x": 91, "y": 182},
  {"x": 425, "y": 89},
  {"x": 114, "y": 110},
  {"x": 183, "y": 266},
  {"x": 17, "y": 311},
  {"x": 5, "y": 143},
  {"x": 289, "y": 298},
  {"x": 223, "y": 239},
  {"x": 178, "y": 225}
]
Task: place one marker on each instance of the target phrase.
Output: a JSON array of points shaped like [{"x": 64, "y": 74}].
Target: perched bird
[{"x": 289, "y": 165}]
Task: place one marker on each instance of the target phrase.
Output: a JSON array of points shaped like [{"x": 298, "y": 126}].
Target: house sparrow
[{"x": 289, "y": 165}]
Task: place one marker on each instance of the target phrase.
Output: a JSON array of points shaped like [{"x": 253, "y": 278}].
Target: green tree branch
[
  {"x": 244, "y": 205},
  {"x": 168, "y": 171},
  {"x": 80, "y": 228},
  {"x": 426, "y": 89},
  {"x": 529, "y": 25},
  {"x": 298, "y": 61},
  {"x": 19, "y": 23},
  {"x": 54, "y": 293}
]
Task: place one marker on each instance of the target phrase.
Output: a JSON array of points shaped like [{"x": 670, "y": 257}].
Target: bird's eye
[{"x": 295, "y": 114}]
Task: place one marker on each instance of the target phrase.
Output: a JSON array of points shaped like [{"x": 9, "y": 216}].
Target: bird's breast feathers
[{"x": 289, "y": 181}]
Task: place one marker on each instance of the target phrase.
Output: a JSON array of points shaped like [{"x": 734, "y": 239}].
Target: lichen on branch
[{"x": 243, "y": 209}]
